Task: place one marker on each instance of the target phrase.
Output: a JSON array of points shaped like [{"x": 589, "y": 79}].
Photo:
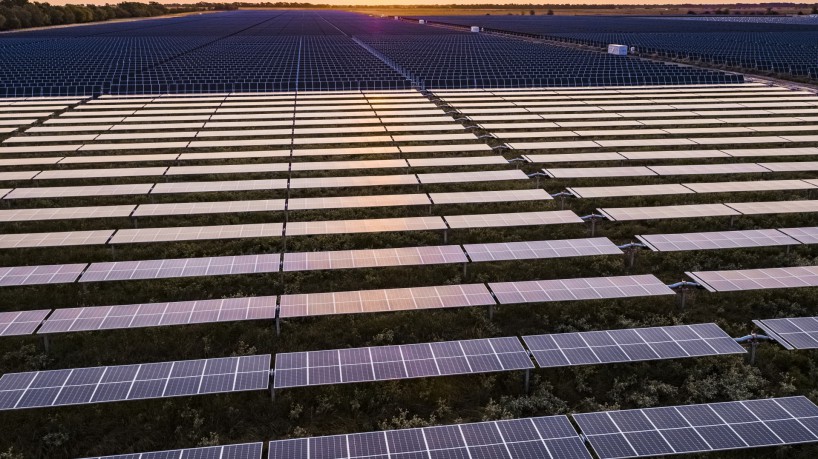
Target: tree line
[{"x": 22, "y": 14}]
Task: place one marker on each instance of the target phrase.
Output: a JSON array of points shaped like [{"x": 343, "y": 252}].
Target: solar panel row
[
  {"x": 125, "y": 236},
  {"x": 611, "y": 434},
  {"x": 690, "y": 188},
  {"x": 133, "y": 382},
  {"x": 708, "y": 210},
  {"x": 385, "y": 363}
]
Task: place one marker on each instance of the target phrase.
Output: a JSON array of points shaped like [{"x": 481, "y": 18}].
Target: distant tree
[
  {"x": 691, "y": 12},
  {"x": 814, "y": 10},
  {"x": 800, "y": 13},
  {"x": 550, "y": 13},
  {"x": 532, "y": 12}
]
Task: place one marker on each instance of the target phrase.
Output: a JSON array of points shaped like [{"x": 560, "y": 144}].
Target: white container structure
[
  {"x": 422, "y": 21},
  {"x": 619, "y": 50},
  {"x": 475, "y": 28}
]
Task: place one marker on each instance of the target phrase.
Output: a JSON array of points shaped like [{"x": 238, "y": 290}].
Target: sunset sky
[{"x": 438, "y": 3}]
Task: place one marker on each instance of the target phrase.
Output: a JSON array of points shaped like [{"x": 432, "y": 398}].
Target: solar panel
[
  {"x": 348, "y": 165},
  {"x": 197, "y": 233},
  {"x": 181, "y": 267},
  {"x": 384, "y": 363},
  {"x": 630, "y": 345},
  {"x": 400, "y": 299},
  {"x": 550, "y": 437},
  {"x": 804, "y": 235},
  {"x": 80, "y": 386},
  {"x": 756, "y": 279},
  {"x": 458, "y": 161},
  {"x": 229, "y": 169},
  {"x": 700, "y": 428},
  {"x": 345, "y": 151},
  {"x": 160, "y": 314},
  {"x": 340, "y": 182},
  {"x": 100, "y": 173},
  {"x": 756, "y": 185},
  {"x": 791, "y": 333},
  {"x": 372, "y": 258},
  {"x": 774, "y": 207},
  {"x": 119, "y": 158},
  {"x": 40, "y": 275},
  {"x": 574, "y": 157},
  {"x": 78, "y": 191},
  {"x": 474, "y": 197},
  {"x": 413, "y": 149},
  {"x": 673, "y": 154},
  {"x": 216, "y": 207},
  {"x": 235, "y": 155},
  {"x": 663, "y": 212},
  {"x": 702, "y": 169},
  {"x": 589, "y": 288},
  {"x": 65, "y": 239},
  {"x": 464, "y": 177},
  {"x": 17, "y": 175},
  {"x": 341, "y": 202},
  {"x": 218, "y": 186},
  {"x": 587, "y": 172},
  {"x": 716, "y": 240},
  {"x": 376, "y": 225},
  {"x": 527, "y": 250},
  {"x": 512, "y": 219},
  {"x": 18, "y": 323},
  {"x": 628, "y": 190},
  {"x": 239, "y": 451}
]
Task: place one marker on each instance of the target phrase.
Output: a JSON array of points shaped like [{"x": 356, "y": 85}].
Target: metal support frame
[
  {"x": 630, "y": 250},
  {"x": 272, "y": 386},
  {"x": 593, "y": 219},
  {"x": 753, "y": 339},
  {"x": 538, "y": 175},
  {"x": 562, "y": 195},
  {"x": 683, "y": 286}
]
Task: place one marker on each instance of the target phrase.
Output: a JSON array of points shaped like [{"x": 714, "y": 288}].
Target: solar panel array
[
  {"x": 590, "y": 288},
  {"x": 549, "y": 437},
  {"x": 386, "y": 154},
  {"x": 80, "y": 386},
  {"x": 157, "y": 314},
  {"x": 385, "y": 363},
  {"x": 756, "y": 279},
  {"x": 239, "y": 451},
  {"x": 630, "y": 345},
  {"x": 258, "y": 50},
  {"x": 700, "y": 428}
]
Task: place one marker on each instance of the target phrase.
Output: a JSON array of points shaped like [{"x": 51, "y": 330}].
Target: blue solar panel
[
  {"x": 242, "y": 451},
  {"x": 133, "y": 382},
  {"x": 550, "y": 437},
  {"x": 301, "y": 50},
  {"x": 782, "y": 45},
  {"x": 700, "y": 428},
  {"x": 383, "y": 363}
]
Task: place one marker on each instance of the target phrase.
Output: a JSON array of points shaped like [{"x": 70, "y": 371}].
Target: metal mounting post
[
  {"x": 465, "y": 270},
  {"x": 46, "y": 344},
  {"x": 445, "y": 235},
  {"x": 491, "y": 311},
  {"x": 538, "y": 175},
  {"x": 272, "y": 387},
  {"x": 527, "y": 380}
]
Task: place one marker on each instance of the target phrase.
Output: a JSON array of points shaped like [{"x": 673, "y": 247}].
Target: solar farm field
[
  {"x": 782, "y": 46},
  {"x": 353, "y": 248}
]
